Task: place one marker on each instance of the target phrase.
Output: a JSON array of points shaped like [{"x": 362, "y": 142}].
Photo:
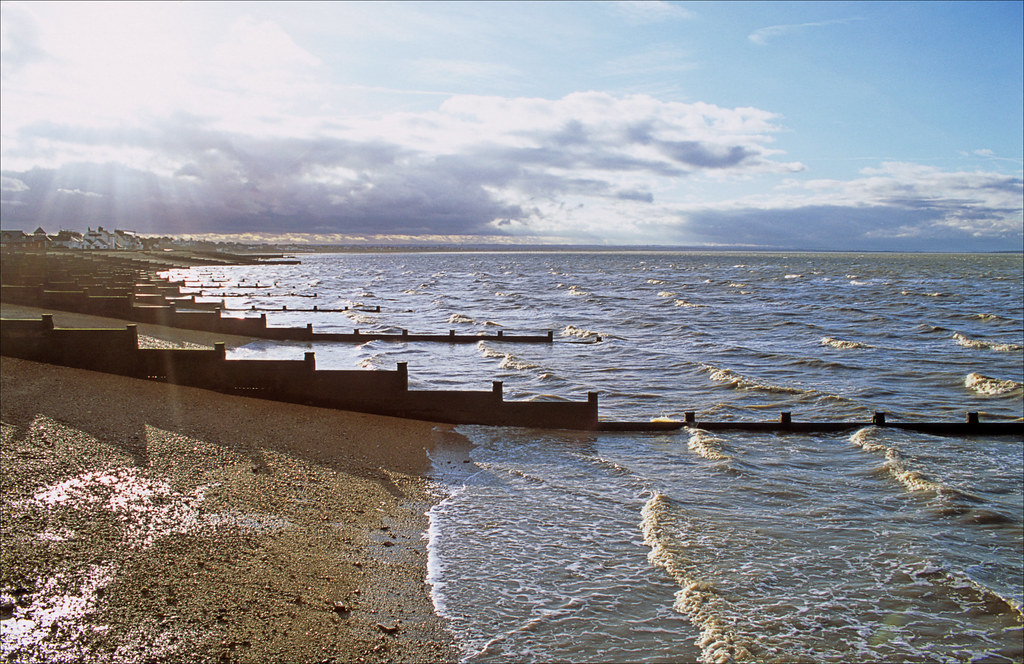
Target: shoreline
[{"x": 144, "y": 520}]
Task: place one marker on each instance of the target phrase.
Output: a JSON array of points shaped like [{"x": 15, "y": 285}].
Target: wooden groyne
[
  {"x": 297, "y": 381},
  {"x": 382, "y": 392},
  {"x": 129, "y": 289},
  {"x": 972, "y": 425}
]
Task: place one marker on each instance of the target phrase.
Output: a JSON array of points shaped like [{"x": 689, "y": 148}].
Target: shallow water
[{"x": 876, "y": 545}]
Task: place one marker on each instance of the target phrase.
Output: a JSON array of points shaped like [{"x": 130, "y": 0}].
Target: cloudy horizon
[{"x": 861, "y": 126}]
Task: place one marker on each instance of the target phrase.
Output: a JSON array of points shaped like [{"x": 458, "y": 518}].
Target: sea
[{"x": 870, "y": 545}]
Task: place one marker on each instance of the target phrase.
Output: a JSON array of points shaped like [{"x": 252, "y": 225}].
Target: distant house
[
  {"x": 21, "y": 240},
  {"x": 68, "y": 240},
  {"x": 116, "y": 240},
  {"x": 13, "y": 239}
]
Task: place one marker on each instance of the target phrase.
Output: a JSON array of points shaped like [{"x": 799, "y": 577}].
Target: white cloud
[
  {"x": 12, "y": 184},
  {"x": 895, "y": 205},
  {"x": 638, "y": 12},
  {"x": 79, "y": 192},
  {"x": 763, "y": 35}
]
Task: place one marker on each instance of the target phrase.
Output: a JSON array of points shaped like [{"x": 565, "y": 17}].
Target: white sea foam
[
  {"x": 738, "y": 381},
  {"x": 707, "y": 445},
  {"x": 655, "y": 281},
  {"x": 697, "y": 599},
  {"x": 869, "y": 439},
  {"x": 359, "y": 317},
  {"x": 841, "y": 343},
  {"x": 460, "y": 318},
  {"x": 990, "y": 386},
  {"x": 665, "y": 293},
  {"x": 684, "y": 303},
  {"x": 582, "y": 333},
  {"x": 967, "y": 342},
  {"x": 508, "y": 360}
]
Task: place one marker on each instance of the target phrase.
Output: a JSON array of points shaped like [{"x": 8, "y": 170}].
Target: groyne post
[
  {"x": 497, "y": 388},
  {"x": 879, "y": 418},
  {"x": 785, "y": 418},
  {"x": 690, "y": 417},
  {"x": 310, "y": 359},
  {"x": 972, "y": 418}
]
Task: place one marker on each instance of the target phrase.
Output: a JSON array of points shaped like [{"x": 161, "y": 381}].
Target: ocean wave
[
  {"x": 357, "y": 317},
  {"x": 508, "y": 360},
  {"x": 460, "y": 318},
  {"x": 512, "y": 362},
  {"x": 967, "y": 342},
  {"x": 869, "y": 439},
  {"x": 988, "y": 317},
  {"x": 740, "y": 382},
  {"x": 707, "y": 445},
  {"x": 577, "y": 291},
  {"x": 655, "y": 281},
  {"x": 697, "y": 599},
  {"x": 666, "y": 293},
  {"x": 990, "y": 386},
  {"x": 582, "y": 333},
  {"x": 959, "y": 582},
  {"x": 684, "y": 303},
  {"x": 841, "y": 343}
]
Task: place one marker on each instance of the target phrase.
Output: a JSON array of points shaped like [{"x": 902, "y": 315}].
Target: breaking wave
[
  {"x": 573, "y": 331},
  {"x": 740, "y": 382},
  {"x": 698, "y": 600},
  {"x": 990, "y": 386},
  {"x": 508, "y": 360},
  {"x": 841, "y": 343},
  {"x": 707, "y": 445},
  {"x": 460, "y": 318},
  {"x": 899, "y": 468},
  {"x": 967, "y": 342}
]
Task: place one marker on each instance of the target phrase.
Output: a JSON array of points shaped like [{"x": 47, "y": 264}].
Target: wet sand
[{"x": 150, "y": 522}]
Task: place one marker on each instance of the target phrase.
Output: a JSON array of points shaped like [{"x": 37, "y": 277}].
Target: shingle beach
[{"x": 144, "y": 521}]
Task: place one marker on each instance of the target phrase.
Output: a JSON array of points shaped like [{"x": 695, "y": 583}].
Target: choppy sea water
[{"x": 875, "y": 545}]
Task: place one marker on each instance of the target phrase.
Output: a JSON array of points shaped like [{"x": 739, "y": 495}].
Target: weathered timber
[
  {"x": 134, "y": 295},
  {"x": 297, "y": 381},
  {"x": 972, "y": 426}
]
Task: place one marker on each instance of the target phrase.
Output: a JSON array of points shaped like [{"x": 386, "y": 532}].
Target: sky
[{"x": 761, "y": 125}]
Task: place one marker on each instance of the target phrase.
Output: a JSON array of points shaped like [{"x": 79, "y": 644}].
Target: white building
[
  {"x": 68, "y": 240},
  {"x": 117, "y": 240}
]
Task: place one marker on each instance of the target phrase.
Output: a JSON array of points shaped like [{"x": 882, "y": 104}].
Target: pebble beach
[{"x": 143, "y": 521}]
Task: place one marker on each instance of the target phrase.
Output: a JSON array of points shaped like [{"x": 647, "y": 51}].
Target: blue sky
[{"x": 892, "y": 126}]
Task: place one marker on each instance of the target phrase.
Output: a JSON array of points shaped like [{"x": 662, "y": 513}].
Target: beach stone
[{"x": 387, "y": 629}]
